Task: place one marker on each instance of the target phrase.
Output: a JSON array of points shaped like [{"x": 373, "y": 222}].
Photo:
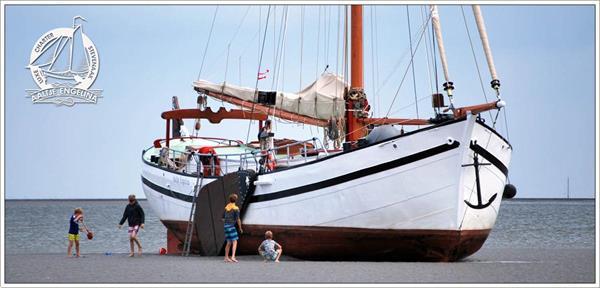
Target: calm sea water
[{"x": 42, "y": 226}]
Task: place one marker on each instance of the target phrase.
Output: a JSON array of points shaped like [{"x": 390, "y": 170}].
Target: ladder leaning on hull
[{"x": 187, "y": 243}]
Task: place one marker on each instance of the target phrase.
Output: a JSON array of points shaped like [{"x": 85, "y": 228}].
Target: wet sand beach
[{"x": 489, "y": 265}]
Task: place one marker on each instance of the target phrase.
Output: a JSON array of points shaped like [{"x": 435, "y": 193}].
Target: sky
[{"x": 544, "y": 56}]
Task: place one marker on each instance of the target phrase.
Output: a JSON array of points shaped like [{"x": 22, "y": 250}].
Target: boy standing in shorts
[
  {"x": 231, "y": 217},
  {"x": 135, "y": 218},
  {"x": 74, "y": 229}
]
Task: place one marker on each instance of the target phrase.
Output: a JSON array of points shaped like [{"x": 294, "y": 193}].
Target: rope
[
  {"x": 506, "y": 124},
  {"x": 240, "y": 25},
  {"x": 226, "y": 65},
  {"x": 405, "y": 72},
  {"x": 327, "y": 16},
  {"x": 377, "y": 61},
  {"x": 345, "y": 61},
  {"x": 259, "y": 66},
  {"x": 318, "y": 44},
  {"x": 422, "y": 28},
  {"x": 208, "y": 41},
  {"x": 373, "y": 58},
  {"x": 240, "y": 69},
  {"x": 280, "y": 49},
  {"x": 301, "y": 42},
  {"x": 427, "y": 53},
  {"x": 281, "y": 63},
  {"x": 475, "y": 59},
  {"x": 412, "y": 64}
]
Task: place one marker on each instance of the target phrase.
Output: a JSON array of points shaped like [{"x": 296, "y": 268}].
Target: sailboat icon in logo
[{"x": 64, "y": 63}]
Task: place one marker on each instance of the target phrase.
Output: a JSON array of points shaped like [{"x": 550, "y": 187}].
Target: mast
[
  {"x": 357, "y": 48},
  {"x": 435, "y": 21},
  {"x": 356, "y": 99},
  {"x": 486, "y": 48}
]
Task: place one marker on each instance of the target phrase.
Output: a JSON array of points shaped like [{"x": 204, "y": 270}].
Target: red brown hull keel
[{"x": 354, "y": 244}]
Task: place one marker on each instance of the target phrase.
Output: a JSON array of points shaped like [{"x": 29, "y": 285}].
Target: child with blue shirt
[
  {"x": 231, "y": 217},
  {"x": 74, "y": 229}
]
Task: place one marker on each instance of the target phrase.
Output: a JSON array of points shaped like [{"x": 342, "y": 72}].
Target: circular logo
[{"x": 64, "y": 57}]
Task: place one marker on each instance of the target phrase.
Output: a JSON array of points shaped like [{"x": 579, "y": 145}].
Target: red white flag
[{"x": 263, "y": 75}]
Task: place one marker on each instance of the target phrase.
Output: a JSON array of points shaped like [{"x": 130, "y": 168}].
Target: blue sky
[{"x": 544, "y": 57}]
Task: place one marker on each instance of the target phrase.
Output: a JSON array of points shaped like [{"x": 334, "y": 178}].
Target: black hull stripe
[
  {"x": 357, "y": 174},
  {"x": 489, "y": 157},
  {"x": 168, "y": 192}
]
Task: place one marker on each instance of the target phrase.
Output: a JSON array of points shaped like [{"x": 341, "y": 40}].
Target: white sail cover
[{"x": 323, "y": 99}]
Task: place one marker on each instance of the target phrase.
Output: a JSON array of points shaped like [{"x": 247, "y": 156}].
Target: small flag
[{"x": 263, "y": 75}]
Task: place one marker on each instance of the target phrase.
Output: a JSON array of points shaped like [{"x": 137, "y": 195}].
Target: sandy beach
[{"x": 486, "y": 266}]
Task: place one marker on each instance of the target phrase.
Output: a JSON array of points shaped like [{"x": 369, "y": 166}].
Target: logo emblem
[{"x": 64, "y": 64}]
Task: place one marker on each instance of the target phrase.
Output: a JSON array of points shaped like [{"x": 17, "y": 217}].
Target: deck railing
[{"x": 221, "y": 164}]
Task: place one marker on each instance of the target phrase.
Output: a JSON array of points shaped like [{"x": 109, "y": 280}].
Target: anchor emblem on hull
[{"x": 476, "y": 165}]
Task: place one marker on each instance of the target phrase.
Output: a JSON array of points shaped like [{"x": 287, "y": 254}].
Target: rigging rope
[
  {"x": 279, "y": 51},
  {"x": 406, "y": 71},
  {"x": 506, "y": 124},
  {"x": 412, "y": 63},
  {"x": 259, "y": 66},
  {"x": 373, "y": 59},
  {"x": 427, "y": 51},
  {"x": 226, "y": 64},
  {"x": 328, "y": 36},
  {"x": 410, "y": 104},
  {"x": 377, "y": 61},
  {"x": 318, "y": 44},
  {"x": 208, "y": 41},
  {"x": 397, "y": 64},
  {"x": 218, "y": 59},
  {"x": 301, "y": 41},
  {"x": 281, "y": 59},
  {"x": 476, "y": 63},
  {"x": 240, "y": 25}
]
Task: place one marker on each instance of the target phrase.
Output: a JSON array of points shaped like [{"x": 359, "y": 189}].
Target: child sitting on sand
[
  {"x": 74, "y": 229},
  {"x": 269, "y": 249}
]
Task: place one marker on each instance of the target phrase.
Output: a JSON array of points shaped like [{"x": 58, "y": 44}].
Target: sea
[{"x": 41, "y": 226}]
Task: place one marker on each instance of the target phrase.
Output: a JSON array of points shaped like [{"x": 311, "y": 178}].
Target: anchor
[{"x": 476, "y": 164}]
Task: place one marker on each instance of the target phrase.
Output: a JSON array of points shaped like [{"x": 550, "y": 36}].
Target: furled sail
[{"x": 323, "y": 99}]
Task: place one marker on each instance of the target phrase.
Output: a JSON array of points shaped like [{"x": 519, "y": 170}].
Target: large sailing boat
[{"x": 431, "y": 194}]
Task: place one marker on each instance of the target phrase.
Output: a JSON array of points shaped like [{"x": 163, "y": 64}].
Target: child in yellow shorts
[{"x": 74, "y": 229}]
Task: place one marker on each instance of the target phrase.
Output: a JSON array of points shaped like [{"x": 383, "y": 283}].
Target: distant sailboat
[{"x": 568, "y": 188}]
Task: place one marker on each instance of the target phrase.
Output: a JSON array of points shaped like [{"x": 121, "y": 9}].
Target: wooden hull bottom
[{"x": 336, "y": 243}]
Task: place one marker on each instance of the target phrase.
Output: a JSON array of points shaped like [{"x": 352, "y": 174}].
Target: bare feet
[
  {"x": 234, "y": 260},
  {"x": 227, "y": 260},
  {"x": 131, "y": 254},
  {"x": 277, "y": 261},
  {"x": 140, "y": 251}
]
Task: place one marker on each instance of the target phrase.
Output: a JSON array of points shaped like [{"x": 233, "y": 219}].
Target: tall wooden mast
[
  {"x": 356, "y": 100},
  {"x": 357, "y": 47}
]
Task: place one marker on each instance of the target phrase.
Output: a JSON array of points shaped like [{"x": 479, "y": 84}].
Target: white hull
[{"x": 411, "y": 182}]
